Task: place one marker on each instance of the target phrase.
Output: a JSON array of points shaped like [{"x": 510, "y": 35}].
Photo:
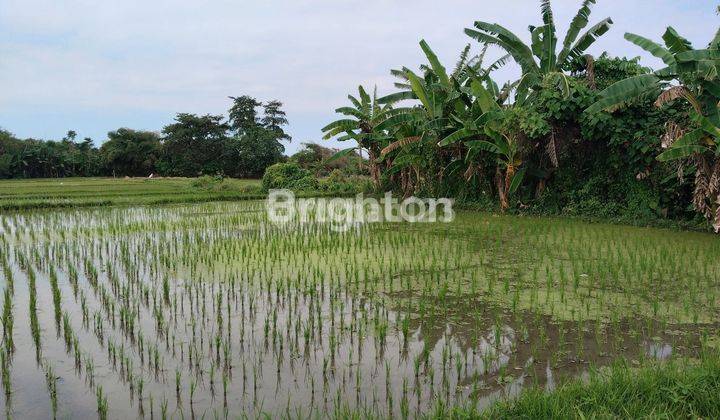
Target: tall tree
[
  {"x": 131, "y": 153},
  {"x": 361, "y": 127},
  {"x": 243, "y": 117},
  {"x": 274, "y": 119},
  {"x": 193, "y": 145},
  {"x": 248, "y": 155},
  {"x": 256, "y": 142}
]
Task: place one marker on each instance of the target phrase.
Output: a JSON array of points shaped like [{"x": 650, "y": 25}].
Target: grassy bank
[
  {"x": 88, "y": 192},
  {"x": 682, "y": 388}
]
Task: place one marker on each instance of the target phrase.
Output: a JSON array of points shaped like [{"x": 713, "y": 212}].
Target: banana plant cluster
[
  {"x": 691, "y": 75},
  {"x": 461, "y": 118}
]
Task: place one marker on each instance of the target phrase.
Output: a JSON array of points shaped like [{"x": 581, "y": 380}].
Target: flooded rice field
[{"x": 210, "y": 311}]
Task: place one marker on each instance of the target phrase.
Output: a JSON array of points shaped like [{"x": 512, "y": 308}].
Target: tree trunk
[
  {"x": 500, "y": 183},
  {"x": 374, "y": 169}
]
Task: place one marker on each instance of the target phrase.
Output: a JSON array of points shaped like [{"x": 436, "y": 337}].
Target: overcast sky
[{"x": 95, "y": 66}]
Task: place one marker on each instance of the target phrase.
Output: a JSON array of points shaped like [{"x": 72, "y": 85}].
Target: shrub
[
  {"x": 284, "y": 175},
  {"x": 308, "y": 183},
  {"x": 209, "y": 183},
  {"x": 339, "y": 183}
]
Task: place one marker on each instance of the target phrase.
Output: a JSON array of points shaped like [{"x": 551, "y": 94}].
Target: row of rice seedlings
[{"x": 291, "y": 301}]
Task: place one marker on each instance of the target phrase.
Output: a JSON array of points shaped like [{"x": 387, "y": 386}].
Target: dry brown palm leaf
[
  {"x": 714, "y": 182},
  {"x": 676, "y": 92},
  {"x": 672, "y": 133},
  {"x": 399, "y": 143},
  {"x": 681, "y": 172},
  {"x": 552, "y": 150}
]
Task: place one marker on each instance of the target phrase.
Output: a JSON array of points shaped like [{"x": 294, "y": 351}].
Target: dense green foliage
[
  {"x": 131, "y": 153},
  {"x": 693, "y": 78},
  {"x": 530, "y": 145},
  {"x": 292, "y": 176},
  {"x": 321, "y": 161},
  {"x": 242, "y": 147},
  {"x": 287, "y": 175},
  {"x": 45, "y": 159}
]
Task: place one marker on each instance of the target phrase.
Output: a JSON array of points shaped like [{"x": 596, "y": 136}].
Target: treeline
[
  {"x": 574, "y": 134},
  {"x": 243, "y": 145}
]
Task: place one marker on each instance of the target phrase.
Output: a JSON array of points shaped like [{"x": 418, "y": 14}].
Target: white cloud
[{"x": 146, "y": 59}]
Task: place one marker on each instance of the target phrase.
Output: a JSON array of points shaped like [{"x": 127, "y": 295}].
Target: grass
[
  {"x": 89, "y": 192},
  {"x": 683, "y": 388}
]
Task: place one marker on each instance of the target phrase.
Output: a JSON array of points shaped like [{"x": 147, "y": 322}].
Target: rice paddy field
[
  {"x": 208, "y": 310},
  {"x": 86, "y": 192}
]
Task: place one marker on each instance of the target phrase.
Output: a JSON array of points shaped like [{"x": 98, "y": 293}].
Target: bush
[
  {"x": 308, "y": 183},
  {"x": 284, "y": 175},
  {"x": 338, "y": 182},
  {"x": 209, "y": 183}
]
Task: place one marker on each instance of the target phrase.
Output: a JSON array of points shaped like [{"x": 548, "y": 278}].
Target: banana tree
[
  {"x": 541, "y": 60},
  {"x": 442, "y": 97},
  {"x": 508, "y": 173},
  {"x": 693, "y": 76},
  {"x": 493, "y": 131},
  {"x": 361, "y": 126}
]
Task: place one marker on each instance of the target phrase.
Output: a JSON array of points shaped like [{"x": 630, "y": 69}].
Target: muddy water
[{"x": 208, "y": 311}]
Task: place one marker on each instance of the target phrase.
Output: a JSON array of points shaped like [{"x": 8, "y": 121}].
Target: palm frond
[
  {"x": 624, "y": 91},
  {"x": 652, "y": 47},
  {"x": 462, "y": 61},
  {"x": 395, "y": 120},
  {"x": 397, "y": 97},
  {"x": 497, "y": 64},
  {"x": 495, "y": 34},
  {"x": 341, "y": 154},
  {"x": 579, "y": 22},
  {"x": 685, "y": 146},
  {"x": 339, "y": 126},
  {"x": 585, "y": 41},
  {"x": 676, "y": 43},
  {"x": 437, "y": 67},
  {"x": 455, "y": 137}
]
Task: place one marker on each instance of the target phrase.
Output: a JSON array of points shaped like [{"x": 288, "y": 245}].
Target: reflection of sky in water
[
  {"x": 660, "y": 351},
  {"x": 550, "y": 384},
  {"x": 460, "y": 346}
]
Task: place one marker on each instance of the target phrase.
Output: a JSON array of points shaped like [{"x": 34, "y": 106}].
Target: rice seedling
[
  {"x": 5, "y": 367},
  {"x": 51, "y": 381},
  {"x": 7, "y": 321},
  {"x": 389, "y": 320}
]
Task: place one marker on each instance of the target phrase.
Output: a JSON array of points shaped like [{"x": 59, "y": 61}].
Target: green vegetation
[
  {"x": 154, "y": 305},
  {"x": 543, "y": 144},
  {"x": 87, "y": 192},
  {"x": 241, "y": 147},
  {"x": 696, "y": 81},
  {"x": 677, "y": 389},
  {"x": 292, "y": 176}
]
